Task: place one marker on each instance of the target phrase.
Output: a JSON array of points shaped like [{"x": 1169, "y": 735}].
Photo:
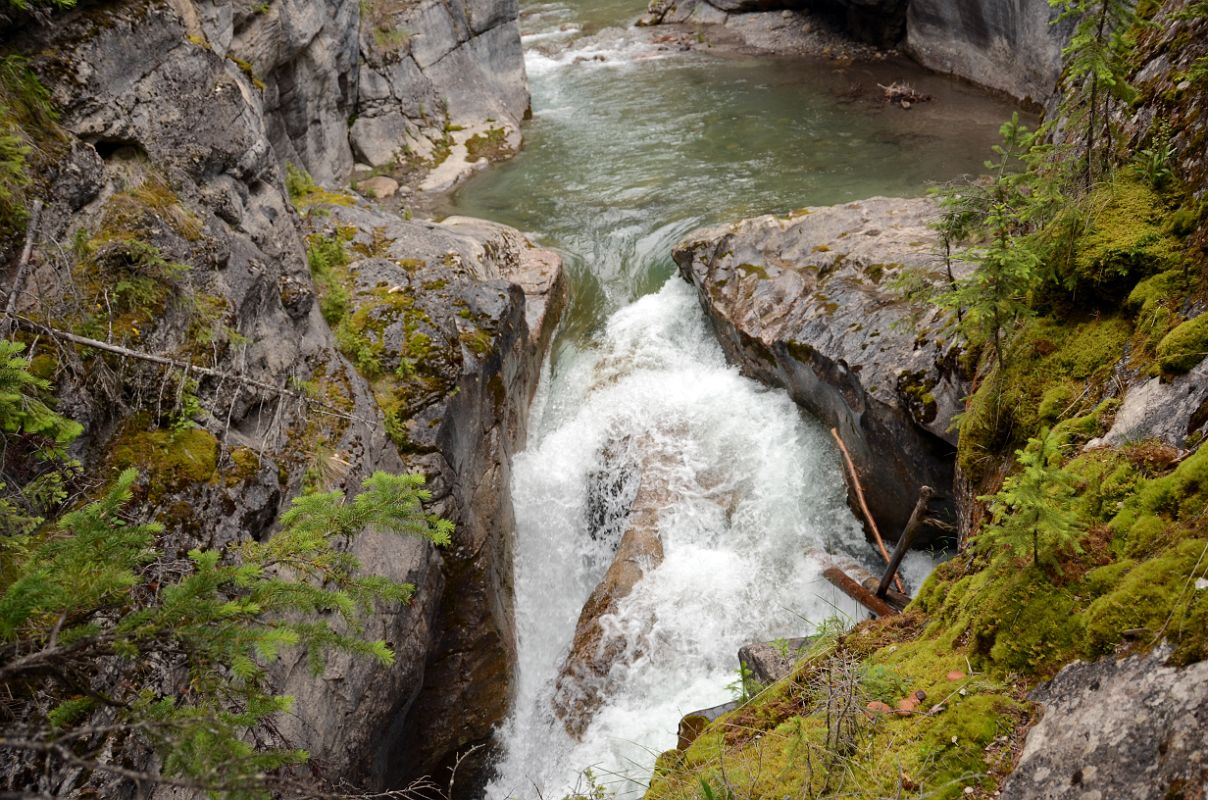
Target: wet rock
[
  {"x": 805, "y": 302},
  {"x": 1128, "y": 729},
  {"x": 597, "y": 647},
  {"x": 459, "y": 315},
  {"x": 1008, "y": 45},
  {"x": 765, "y": 663},
  {"x": 693, "y": 724}
]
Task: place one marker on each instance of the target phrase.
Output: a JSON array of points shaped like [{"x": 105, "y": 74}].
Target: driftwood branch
[
  {"x": 36, "y": 327},
  {"x": 31, "y": 233},
  {"x": 856, "y": 591},
  {"x": 917, "y": 518},
  {"x": 859, "y": 490}
]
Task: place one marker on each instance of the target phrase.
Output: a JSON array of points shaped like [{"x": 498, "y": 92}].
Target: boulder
[
  {"x": 378, "y": 187},
  {"x": 1171, "y": 410},
  {"x": 764, "y": 663},
  {"x": 807, "y": 302},
  {"x": 583, "y": 681},
  {"x": 1128, "y": 730}
]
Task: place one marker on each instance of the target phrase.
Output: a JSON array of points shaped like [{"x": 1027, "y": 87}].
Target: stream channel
[{"x": 630, "y": 147}]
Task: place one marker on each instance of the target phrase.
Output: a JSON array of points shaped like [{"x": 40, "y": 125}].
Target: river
[{"x": 630, "y": 147}]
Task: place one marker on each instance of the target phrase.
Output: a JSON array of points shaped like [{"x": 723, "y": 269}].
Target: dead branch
[
  {"x": 913, "y": 526},
  {"x": 903, "y": 94},
  {"x": 855, "y": 482},
  {"x": 853, "y": 589},
  {"x": 31, "y": 232},
  {"x": 125, "y": 352}
]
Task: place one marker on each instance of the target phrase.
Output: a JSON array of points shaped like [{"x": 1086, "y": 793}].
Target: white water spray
[{"x": 754, "y": 487}]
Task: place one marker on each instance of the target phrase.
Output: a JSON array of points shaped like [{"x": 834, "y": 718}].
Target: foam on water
[
  {"x": 753, "y": 489},
  {"x": 624, "y": 156}
]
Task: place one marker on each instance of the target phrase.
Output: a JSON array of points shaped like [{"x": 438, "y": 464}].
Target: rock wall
[
  {"x": 432, "y": 74},
  {"x": 175, "y": 124},
  {"x": 1008, "y": 45},
  {"x": 804, "y": 302}
]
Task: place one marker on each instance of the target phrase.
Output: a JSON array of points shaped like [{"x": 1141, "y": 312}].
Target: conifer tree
[
  {"x": 109, "y": 645},
  {"x": 993, "y": 296},
  {"x": 1034, "y": 504},
  {"x": 1096, "y": 76}
]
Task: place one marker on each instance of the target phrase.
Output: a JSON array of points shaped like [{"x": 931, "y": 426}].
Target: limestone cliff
[{"x": 169, "y": 230}]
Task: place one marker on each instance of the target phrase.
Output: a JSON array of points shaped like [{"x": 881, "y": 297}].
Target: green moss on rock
[{"x": 1185, "y": 346}]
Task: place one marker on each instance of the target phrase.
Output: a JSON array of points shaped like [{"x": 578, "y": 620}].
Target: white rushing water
[
  {"x": 631, "y": 146},
  {"x": 754, "y": 487}
]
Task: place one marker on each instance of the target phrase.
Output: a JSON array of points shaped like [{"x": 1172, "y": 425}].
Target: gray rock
[
  {"x": 764, "y": 663},
  {"x": 379, "y": 187},
  {"x": 429, "y": 66},
  {"x": 1133, "y": 729},
  {"x": 804, "y": 302},
  {"x": 465, "y": 286},
  {"x": 153, "y": 94},
  {"x": 1008, "y": 45},
  {"x": 1171, "y": 411}
]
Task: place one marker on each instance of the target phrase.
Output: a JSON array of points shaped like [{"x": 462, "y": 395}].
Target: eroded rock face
[
  {"x": 1008, "y": 45},
  {"x": 179, "y": 119},
  {"x": 432, "y": 73},
  {"x": 1132, "y": 729},
  {"x": 457, "y": 317},
  {"x": 805, "y": 302}
]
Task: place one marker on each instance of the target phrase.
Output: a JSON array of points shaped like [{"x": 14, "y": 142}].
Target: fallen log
[
  {"x": 856, "y": 591},
  {"x": 913, "y": 526},
  {"x": 859, "y": 490}
]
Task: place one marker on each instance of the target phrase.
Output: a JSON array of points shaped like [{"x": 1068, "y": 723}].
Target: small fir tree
[
  {"x": 108, "y": 644},
  {"x": 1034, "y": 503}
]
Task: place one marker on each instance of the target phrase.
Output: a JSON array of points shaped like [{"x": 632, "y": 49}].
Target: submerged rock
[
  {"x": 1128, "y": 730},
  {"x": 598, "y": 646},
  {"x": 807, "y": 302}
]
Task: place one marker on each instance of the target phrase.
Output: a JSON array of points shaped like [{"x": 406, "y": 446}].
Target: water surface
[{"x": 631, "y": 147}]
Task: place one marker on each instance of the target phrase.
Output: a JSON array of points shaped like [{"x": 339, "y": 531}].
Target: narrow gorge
[{"x": 670, "y": 313}]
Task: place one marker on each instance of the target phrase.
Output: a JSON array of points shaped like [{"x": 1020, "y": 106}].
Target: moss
[
  {"x": 753, "y": 269},
  {"x": 479, "y": 341},
  {"x": 1125, "y": 240},
  {"x": 306, "y": 195},
  {"x": 491, "y": 145},
  {"x": 246, "y": 68},
  {"x": 1046, "y": 357},
  {"x": 170, "y": 460},
  {"x": 1185, "y": 346},
  {"x": 1155, "y": 597},
  {"x": 246, "y": 464}
]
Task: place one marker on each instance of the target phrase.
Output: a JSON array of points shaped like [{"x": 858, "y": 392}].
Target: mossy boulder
[
  {"x": 1127, "y": 239},
  {"x": 1185, "y": 346}
]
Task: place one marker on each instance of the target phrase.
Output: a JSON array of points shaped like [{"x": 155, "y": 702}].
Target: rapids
[{"x": 630, "y": 147}]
